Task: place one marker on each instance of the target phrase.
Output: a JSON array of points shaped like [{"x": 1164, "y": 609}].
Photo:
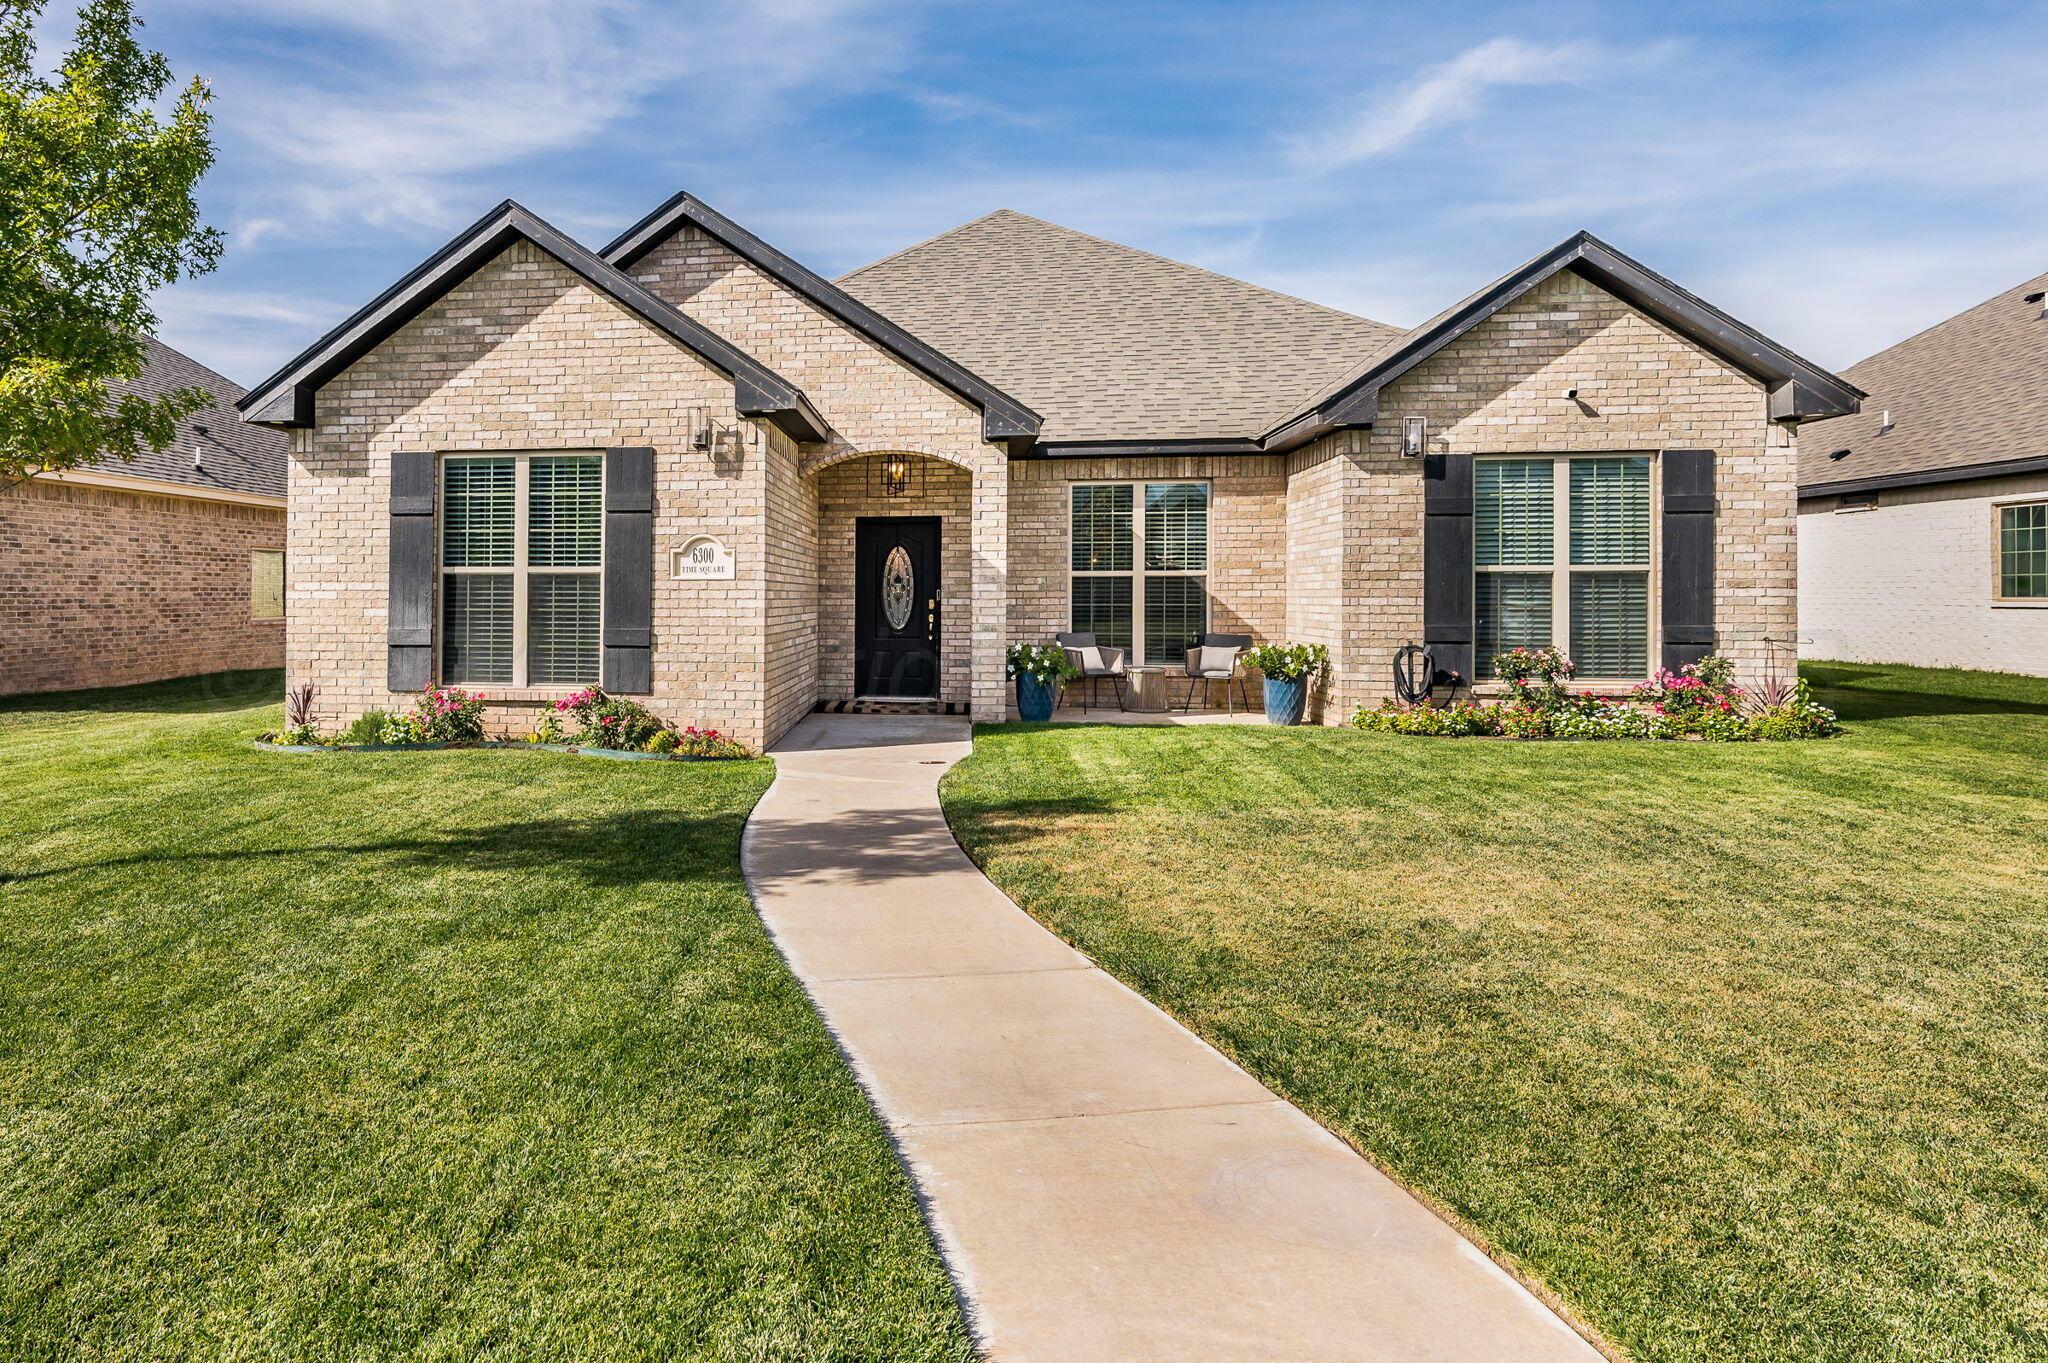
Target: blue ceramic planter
[
  {"x": 1034, "y": 698},
  {"x": 1285, "y": 700}
]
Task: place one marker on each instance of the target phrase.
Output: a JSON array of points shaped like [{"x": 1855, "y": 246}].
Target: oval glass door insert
[{"x": 899, "y": 587}]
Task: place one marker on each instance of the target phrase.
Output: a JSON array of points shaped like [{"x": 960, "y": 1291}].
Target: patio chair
[
  {"x": 1096, "y": 661},
  {"x": 1215, "y": 659}
]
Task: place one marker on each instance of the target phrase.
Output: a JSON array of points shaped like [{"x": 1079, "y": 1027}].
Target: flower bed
[
  {"x": 589, "y": 723},
  {"x": 1700, "y": 702}
]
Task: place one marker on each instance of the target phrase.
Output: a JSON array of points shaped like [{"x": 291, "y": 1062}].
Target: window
[
  {"x": 1141, "y": 581},
  {"x": 1588, "y": 589},
  {"x": 266, "y": 584},
  {"x": 522, "y": 540},
  {"x": 2023, "y": 552}
]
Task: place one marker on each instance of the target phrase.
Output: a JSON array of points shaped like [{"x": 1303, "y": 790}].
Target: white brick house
[
  {"x": 696, "y": 471},
  {"x": 1923, "y": 519}
]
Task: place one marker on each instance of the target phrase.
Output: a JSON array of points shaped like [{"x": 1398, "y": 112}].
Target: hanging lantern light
[{"x": 895, "y": 475}]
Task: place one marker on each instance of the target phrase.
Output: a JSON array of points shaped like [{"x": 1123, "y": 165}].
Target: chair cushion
[{"x": 1216, "y": 662}]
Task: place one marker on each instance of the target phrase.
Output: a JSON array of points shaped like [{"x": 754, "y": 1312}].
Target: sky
[{"x": 1839, "y": 176}]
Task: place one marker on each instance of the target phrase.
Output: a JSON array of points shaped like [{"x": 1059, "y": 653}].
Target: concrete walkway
[{"x": 1105, "y": 1187}]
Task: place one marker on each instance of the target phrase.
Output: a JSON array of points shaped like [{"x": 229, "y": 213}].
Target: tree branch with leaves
[{"x": 97, "y": 212}]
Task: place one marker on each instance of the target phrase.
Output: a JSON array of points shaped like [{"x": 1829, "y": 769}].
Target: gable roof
[
  {"x": 1115, "y": 344},
  {"x": 1968, "y": 398},
  {"x": 1003, "y": 416},
  {"x": 1799, "y": 389},
  {"x": 233, "y": 457},
  {"x": 286, "y": 397}
]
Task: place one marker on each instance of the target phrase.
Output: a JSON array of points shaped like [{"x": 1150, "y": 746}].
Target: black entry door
[{"x": 896, "y": 607}]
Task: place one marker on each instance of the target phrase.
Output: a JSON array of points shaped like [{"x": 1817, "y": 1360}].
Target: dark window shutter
[
  {"x": 1688, "y": 533},
  {"x": 409, "y": 663},
  {"x": 1447, "y": 563},
  {"x": 629, "y": 570}
]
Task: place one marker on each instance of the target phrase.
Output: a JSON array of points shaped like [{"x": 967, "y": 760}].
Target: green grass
[
  {"x": 427, "y": 1055},
  {"x": 1742, "y": 1049}
]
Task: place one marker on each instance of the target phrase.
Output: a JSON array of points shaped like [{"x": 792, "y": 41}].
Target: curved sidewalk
[{"x": 1106, "y": 1188}]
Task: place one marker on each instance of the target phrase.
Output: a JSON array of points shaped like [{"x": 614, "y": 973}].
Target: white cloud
[
  {"x": 395, "y": 113},
  {"x": 241, "y": 333},
  {"x": 1450, "y": 93}
]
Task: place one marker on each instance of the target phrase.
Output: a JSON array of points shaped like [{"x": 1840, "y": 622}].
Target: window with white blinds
[
  {"x": 1140, "y": 580},
  {"x": 1587, "y": 591},
  {"x": 522, "y": 548}
]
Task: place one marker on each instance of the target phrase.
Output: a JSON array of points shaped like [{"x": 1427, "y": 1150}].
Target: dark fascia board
[
  {"x": 1799, "y": 389},
  {"x": 286, "y": 398},
  {"x": 1964, "y": 473},
  {"x": 1003, "y": 418},
  {"x": 1134, "y": 449}
]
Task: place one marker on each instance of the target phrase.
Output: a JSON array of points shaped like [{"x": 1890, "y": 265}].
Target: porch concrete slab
[
  {"x": 1059, "y": 1043},
  {"x": 1244, "y": 1232},
  {"x": 1103, "y": 1184}
]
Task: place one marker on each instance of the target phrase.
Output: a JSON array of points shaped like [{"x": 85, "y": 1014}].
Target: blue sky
[{"x": 1839, "y": 175}]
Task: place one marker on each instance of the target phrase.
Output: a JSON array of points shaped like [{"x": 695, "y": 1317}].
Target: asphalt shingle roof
[
  {"x": 1112, "y": 343},
  {"x": 1967, "y": 391},
  {"x": 234, "y": 456}
]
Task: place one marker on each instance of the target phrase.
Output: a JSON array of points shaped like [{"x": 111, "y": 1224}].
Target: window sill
[
  {"x": 2020, "y": 605},
  {"x": 519, "y": 695}
]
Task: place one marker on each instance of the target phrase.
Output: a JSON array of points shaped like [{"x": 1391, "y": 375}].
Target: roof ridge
[
  {"x": 1136, "y": 251},
  {"x": 915, "y": 245},
  {"x": 203, "y": 368},
  {"x": 1949, "y": 320}
]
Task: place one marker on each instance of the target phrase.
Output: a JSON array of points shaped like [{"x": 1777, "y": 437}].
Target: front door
[{"x": 896, "y": 607}]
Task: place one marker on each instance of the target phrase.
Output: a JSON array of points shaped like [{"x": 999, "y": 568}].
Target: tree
[{"x": 96, "y": 213}]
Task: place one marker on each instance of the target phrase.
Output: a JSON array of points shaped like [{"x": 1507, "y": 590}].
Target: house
[
  {"x": 168, "y": 565},
  {"x": 1923, "y": 519},
  {"x": 693, "y": 470}
]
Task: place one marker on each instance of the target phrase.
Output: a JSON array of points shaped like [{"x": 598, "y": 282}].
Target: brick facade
[
  {"x": 102, "y": 587},
  {"x": 1355, "y": 504},
  {"x": 1915, "y": 579},
  {"x": 1319, "y": 545}
]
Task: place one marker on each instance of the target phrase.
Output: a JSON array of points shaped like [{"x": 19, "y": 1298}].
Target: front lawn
[
  {"x": 1741, "y": 1049},
  {"x": 415, "y": 1055}
]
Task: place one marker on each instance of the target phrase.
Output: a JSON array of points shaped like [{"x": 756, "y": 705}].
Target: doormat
[{"x": 891, "y": 707}]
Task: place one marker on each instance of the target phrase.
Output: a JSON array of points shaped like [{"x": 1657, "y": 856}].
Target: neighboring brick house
[
  {"x": 693, "y": 470},
  {"x": 1923, "y": 519},
  {"x": 167, "y": 565}
]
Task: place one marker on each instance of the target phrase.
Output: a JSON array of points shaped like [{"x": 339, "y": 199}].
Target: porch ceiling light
[{"x": 895, "y": 475}]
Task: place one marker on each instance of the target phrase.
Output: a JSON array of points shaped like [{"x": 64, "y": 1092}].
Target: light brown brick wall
[
  {"x": 524, "y": 356},
  {"x": 848, "y": 491},
  {"x": 873, "y": 402},
  {"x": 790, "y": 532},
  {"x": 104, "y": 588},
  {"x": 1247, "y": 537},
  {"x": 1500, "y": 390}
]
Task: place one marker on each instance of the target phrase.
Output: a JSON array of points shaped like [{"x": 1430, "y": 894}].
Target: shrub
[
  {"x": 441, "y": 715},
  {"x": 1289, "y": 662},
  {"x": 548, "y": 730},
  {"x": 664, "y": 742},
  {"x": 1797, "y": 718},
  {"x": 695, "y": 742},
  {"x": 368, "y": 727},
  {"x": 607, "y": 721},
  {"x": 1535, "y": 677},
  {"x": 1701, "y": 698},
  {"x": 1048, "y": 663},
  {"x": 1461, "y": 719},
  {"x": 299, "y": 736}
]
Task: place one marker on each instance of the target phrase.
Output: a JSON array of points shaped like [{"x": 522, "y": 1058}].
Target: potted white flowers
[{"x": 1289, "y": 670}]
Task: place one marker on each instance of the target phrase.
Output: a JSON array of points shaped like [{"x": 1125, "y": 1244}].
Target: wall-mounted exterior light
[{"x": 1414, "y": 432}]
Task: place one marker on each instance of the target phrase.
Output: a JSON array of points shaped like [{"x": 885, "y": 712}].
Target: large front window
[
  {"x": 1139, "y": 566},
  {"x": 1586, "y": 590},
  {"x": 522, "y": 539}
]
